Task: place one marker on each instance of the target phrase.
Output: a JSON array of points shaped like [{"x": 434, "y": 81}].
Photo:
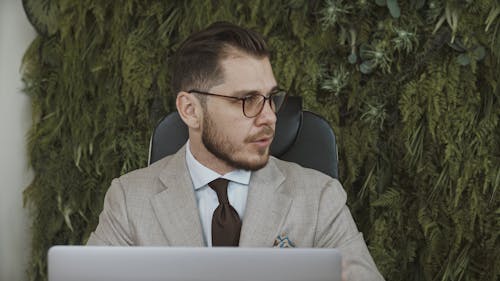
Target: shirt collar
[{"x": 202, "y": 175}]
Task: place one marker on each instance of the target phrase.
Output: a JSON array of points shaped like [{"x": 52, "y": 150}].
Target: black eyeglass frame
[{"x": 243, "y": 99}]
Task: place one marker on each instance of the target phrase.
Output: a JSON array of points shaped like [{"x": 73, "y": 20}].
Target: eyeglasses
[{"x": 253, "y": 104}]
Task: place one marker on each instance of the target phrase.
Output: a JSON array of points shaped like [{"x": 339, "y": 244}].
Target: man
[{"x": 228, "y": 97}]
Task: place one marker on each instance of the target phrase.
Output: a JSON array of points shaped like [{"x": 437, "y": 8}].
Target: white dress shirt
[{"x": 206, "y": 197}]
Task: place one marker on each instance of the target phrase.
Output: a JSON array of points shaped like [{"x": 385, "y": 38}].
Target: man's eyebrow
[
  {"x": 274, "y": 89},
  {"x": 244, "y": 93}
]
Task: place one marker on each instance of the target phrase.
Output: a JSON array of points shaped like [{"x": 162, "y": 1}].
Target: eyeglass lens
[{"x": 252, "y": 106}]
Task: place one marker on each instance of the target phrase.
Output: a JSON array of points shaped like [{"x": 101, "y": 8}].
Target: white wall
[{"x": 15, "y": 119}]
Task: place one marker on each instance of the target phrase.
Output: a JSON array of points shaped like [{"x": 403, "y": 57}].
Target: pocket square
[{"x": 282, "y": 241}]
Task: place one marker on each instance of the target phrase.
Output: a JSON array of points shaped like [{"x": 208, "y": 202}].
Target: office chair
[{"x": 301, "y": 137}]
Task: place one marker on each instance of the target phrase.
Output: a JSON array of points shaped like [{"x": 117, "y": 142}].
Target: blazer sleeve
[
  {"x": 336, "y": 229},
  {"x": 113, "y": 228}
]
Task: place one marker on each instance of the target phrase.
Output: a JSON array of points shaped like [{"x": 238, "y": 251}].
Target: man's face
[{"x": 239, "y": 141}]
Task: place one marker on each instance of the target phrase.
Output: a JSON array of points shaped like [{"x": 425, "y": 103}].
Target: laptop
[{"x": 90, "y": 263}]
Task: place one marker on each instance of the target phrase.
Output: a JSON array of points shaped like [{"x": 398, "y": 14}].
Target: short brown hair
[{"x": 197, "y": 61}]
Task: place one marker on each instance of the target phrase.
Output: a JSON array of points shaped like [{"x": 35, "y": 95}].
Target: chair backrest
[{"x": 301, "y": 137}]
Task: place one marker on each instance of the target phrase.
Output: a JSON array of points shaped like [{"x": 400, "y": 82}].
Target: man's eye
[{"x": 252, "y": 99}]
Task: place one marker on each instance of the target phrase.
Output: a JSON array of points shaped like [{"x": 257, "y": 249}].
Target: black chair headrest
[{"x": 301, "y": 137}]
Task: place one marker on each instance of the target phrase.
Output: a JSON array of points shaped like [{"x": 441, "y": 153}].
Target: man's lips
[{"x": 263, "y": 140}]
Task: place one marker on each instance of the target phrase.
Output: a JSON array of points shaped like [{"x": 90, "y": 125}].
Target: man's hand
[{"x": 344, "y": 270}]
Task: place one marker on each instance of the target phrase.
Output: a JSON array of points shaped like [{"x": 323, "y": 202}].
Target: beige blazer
[{"x": 157, "y": 206}]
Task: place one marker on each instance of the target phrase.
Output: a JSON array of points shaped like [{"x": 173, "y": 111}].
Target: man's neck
[{"x": 207, "y": 159}]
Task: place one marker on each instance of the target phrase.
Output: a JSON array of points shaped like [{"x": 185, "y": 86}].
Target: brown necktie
[{"x": 226, "y": 223}]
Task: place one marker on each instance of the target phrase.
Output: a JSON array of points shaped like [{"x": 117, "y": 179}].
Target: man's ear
[{"x": 189, "y": 109}]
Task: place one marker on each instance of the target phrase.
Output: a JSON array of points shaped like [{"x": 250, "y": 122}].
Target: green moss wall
[{"x": 410, "y": 87}]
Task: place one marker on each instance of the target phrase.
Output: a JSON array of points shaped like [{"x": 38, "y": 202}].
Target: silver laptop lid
[{"x": 85, "y": 263}]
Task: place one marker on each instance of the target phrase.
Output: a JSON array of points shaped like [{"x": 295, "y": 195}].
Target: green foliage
[{"x": 410, "y": 87}]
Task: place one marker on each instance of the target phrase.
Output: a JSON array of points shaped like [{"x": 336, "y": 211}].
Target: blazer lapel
[
  {"x": 175, "y": 207},
  {"x": 266, "y": 209}
]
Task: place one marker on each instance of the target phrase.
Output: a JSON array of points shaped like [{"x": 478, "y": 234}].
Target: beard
[{"x": 223, "y": 149}]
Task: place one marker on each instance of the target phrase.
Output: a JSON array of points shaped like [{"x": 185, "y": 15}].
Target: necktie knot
[{"x": 220, "y": 187}]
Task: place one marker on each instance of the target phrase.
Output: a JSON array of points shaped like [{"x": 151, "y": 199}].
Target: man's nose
[{"x": 267, "y": 115}]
